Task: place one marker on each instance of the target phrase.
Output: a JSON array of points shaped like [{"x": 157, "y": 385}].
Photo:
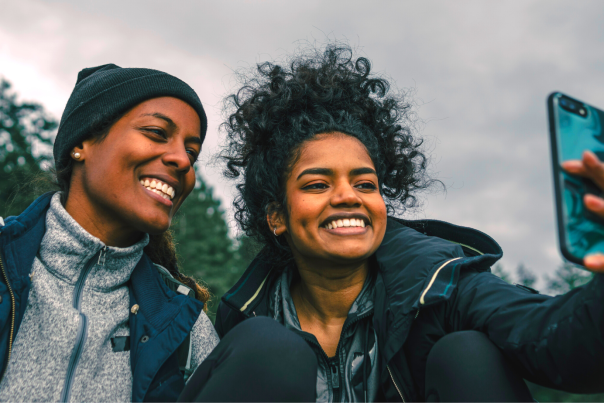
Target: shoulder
[{"x": 203, "y": 339}]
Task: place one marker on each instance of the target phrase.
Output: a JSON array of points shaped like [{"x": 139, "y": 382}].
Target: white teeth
[
  {"x": 346, "y": 222},
  {"x": 164, "y": 190}
]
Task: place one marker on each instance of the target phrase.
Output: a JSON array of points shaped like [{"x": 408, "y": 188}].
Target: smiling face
[
  {"x": 335, "y": 210},
  {"x": 135, "y": 179}
]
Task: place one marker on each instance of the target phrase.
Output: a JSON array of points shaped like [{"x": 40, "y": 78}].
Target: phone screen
[{"x": 575, "y": 127}]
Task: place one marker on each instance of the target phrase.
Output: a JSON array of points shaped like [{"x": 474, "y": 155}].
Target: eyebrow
[
  {"x": 163, "y": 117},
  {"x": 328, "y": 172}
]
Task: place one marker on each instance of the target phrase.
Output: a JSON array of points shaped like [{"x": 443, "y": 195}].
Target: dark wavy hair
[{"x": 280, "y": 107}]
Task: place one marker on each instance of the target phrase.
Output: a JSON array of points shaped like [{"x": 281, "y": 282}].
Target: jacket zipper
[
  {"x": 12, "y": 323},
  {"x": 395, "y": 385},
  {"x": 358, "y": 318},
  {"x": 82, "y": 327}
]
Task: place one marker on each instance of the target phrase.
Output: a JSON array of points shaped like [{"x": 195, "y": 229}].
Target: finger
[
  {"x": 594, "y": 262},
  {"x": 594, "y": 203},
  {"x": 594, "y": 168},
  {"x": 574, "y": 167}
]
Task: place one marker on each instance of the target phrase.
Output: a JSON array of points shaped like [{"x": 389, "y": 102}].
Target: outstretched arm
[{"x": 555, "y": 341}]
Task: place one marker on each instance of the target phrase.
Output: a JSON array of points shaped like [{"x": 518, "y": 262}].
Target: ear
[
  {"x": 276, "y": 219},
  {"x": 79, "y": 152}
]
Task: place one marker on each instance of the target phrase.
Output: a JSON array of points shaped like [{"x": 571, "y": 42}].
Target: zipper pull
[
  {"x": 335, "y": 376},
  {"x": 102, "y": 255}
]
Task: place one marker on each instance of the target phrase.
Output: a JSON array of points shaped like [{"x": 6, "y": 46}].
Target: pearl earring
[
  {"x": 77, "y": 156},
  {"x": 275, "y": 231}
]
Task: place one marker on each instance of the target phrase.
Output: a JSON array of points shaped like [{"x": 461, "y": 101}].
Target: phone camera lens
[{"x": 563, "y": 102}]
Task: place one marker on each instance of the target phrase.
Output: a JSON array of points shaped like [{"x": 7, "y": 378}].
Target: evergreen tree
[
  {"x": 26, "y": 133},
  {"x": 567, "y": 277},
  {"x": 205, "y": 250}
]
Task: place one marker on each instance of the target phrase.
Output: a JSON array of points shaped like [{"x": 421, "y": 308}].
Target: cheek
[
  {"x": 188, "y": 185},
  {"x": 380, "y": 213}
]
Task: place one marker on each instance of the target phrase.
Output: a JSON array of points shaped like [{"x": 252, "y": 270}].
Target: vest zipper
[
  {"x": 12, "y": 310},
  {"x": 395, "y": 385},
  {"x": 83, "y": 325}
]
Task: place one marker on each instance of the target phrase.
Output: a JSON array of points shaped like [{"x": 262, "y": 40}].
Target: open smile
[
  {"x": 348, "y": 224},
  {"x": 158, "y": 190}
]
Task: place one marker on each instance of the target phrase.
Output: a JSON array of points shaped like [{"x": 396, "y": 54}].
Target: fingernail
[
  {"x": 572, "y": 164},
  {"x": 594, "y": 202}
]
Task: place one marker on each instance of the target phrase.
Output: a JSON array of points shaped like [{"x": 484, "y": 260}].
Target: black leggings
[
  {"x": 259, "y": 360},
  {"x": 468, "y": 367}
]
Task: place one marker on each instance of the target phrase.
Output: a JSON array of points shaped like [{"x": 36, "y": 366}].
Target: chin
[{"x": 155, "y": 227}]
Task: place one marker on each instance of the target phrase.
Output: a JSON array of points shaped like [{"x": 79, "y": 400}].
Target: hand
[{"x": 590, "y": 167}]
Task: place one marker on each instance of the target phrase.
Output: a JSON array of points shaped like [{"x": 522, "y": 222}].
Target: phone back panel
[{"x": 580, "y": 232}]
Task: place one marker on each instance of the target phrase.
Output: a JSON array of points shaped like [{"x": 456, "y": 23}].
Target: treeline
[{"x": 205, "y": 249}]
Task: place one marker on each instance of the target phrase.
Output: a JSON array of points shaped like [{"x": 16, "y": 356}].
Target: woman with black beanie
[{"x": 92, "y": 305}]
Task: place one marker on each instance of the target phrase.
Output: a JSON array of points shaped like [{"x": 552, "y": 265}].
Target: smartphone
[{"x": 575, "y": 127}]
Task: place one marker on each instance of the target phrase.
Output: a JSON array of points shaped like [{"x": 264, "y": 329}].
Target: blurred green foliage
[
  {"x": 25, "y": 142},
  {"x": 205, "y": 250}
]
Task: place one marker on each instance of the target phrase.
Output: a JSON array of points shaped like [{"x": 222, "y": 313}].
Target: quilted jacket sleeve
[{"x": 556, "y": 341}]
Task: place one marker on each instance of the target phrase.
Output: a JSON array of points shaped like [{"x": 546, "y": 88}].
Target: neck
[
  {"x": 326, "y": 292},
  {"x": 100, "y": 223}
]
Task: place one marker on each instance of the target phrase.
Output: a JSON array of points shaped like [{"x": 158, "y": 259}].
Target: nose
[
  {"x": 177, "y": 158},
  {"x": 344, "y": 195}
]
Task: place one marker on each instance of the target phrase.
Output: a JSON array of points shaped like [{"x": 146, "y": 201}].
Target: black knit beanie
[{"x": 105, "y": 92}]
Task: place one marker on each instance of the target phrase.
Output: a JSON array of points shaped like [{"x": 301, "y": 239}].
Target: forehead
[
  {"x": 333, "y": 150},
  {"x": 178, "y": 111}
]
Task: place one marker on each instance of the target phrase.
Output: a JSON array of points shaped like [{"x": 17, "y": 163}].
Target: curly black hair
[{"x": 279, "y": 108}]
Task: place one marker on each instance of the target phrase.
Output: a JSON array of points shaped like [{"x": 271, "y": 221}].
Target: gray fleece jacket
[{"x": 44, "y": 345}]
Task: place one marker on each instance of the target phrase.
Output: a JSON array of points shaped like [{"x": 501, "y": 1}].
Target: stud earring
[
  {"x": 77, "y": 156},
  {"x": 275, "y": 231}
]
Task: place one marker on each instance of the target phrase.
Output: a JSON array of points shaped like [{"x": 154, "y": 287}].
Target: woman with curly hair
[{"x": 393, "y": 309}]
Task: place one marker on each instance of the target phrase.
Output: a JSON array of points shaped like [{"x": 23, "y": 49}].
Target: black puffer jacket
[{"x": 434, "y": 278}]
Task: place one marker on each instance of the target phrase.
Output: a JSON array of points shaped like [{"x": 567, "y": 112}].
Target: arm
[{"x": 555, "y": 341}]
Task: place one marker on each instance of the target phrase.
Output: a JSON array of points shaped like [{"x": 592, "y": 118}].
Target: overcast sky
[{"x": 479, "y": 71}]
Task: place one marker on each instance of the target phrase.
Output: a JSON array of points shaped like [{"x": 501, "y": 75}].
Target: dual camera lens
[{"x": 573, "y": 106}]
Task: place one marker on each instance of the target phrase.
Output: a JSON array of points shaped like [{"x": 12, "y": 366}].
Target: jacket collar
[
  {"x": 410, "y": 255},
  {"x": 19, "y": 242}
]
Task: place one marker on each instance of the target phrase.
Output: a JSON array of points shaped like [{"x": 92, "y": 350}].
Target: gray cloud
[{"x": 480, "y": 72}]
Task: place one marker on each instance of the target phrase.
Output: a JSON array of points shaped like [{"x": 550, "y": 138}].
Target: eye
[
  {"x": 366, "y": 186},
  {"x": 156, "y": 131},
  {"x": 193, "y": 155},
  {"x": 316, "y": 186}
]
